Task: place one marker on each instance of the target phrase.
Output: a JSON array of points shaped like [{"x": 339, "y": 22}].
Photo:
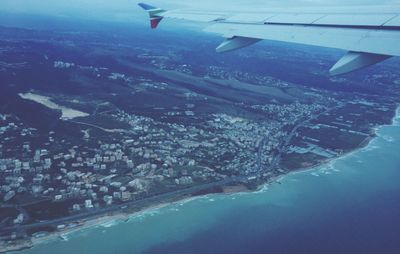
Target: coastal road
[{"x": 142, "y": 203}]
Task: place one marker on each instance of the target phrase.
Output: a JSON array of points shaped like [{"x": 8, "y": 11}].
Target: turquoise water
[{"x": 351, "y": 205}]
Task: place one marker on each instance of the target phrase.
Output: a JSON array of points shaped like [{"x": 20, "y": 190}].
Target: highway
[{"x": 142, "y": 203}]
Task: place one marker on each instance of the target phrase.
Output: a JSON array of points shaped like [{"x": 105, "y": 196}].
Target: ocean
[{"x": 350, "y": 205}]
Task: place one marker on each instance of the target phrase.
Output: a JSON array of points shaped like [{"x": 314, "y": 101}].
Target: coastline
[
  {"x": 362, "y": 146},
  {"x": 115, "y": 218}
]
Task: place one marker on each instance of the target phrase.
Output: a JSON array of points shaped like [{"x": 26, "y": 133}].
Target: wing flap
[
  {"x": 294, "y": 18},
  {"x": 393, "y": 22},
  {"x": 355, "y": 19},
  {"x": 193, "y": 16},
  {"x": 249, "y": 18}
]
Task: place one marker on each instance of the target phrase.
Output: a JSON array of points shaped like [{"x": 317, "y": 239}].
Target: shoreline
[
  {"x": 362, "y": 146},
  {"x": 115, "y": 218}
]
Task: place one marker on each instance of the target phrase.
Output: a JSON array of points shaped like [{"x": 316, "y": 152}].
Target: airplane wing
[{"x": 369, "y": 36}]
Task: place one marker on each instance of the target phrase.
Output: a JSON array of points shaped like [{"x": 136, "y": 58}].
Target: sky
[{"x": 126, "y": 10}]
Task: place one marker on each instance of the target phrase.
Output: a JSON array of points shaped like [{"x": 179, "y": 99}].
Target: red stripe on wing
[{"x": 154, "y": 22}]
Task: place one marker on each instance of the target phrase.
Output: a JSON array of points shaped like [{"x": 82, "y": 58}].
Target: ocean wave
[
  {"x": 371, "y": 147},
  {"x": 109, "y": 224},
  {"x": 188, "y": 200},
  {"x": 64, "y": 237},
  {"x": 330, "y": 165},
  {"x": 396, "y": 119},
  {"x": 141, "y": 215},
  {"x": 263, "y": 189},
  {"x": 388, "y": 138}
]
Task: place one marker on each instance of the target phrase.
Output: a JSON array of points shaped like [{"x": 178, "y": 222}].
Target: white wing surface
[{"x": 369, "y": 35}]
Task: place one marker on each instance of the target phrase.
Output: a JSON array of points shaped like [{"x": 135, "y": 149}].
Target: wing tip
[
  {"x": 154, "y": 12},
  {"x": 146, "y": 7}
]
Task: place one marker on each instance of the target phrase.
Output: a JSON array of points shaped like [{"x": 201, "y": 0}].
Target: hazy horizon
[{"x": 127, "y": 10}]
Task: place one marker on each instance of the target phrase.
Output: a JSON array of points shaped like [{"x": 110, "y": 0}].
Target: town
[{"x": 144, "y": 128}]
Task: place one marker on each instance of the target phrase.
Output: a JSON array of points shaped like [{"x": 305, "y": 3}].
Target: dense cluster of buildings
[{"x": 151, "y": 154}]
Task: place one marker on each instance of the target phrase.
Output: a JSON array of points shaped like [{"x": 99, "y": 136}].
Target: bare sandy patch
[{"x": 66, "y": 113}]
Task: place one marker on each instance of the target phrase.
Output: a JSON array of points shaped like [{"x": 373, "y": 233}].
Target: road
[
  {"x": 142, "y": 203},
  {"x": 99, "y": 127},
  {"x": 286, "y": 142}
]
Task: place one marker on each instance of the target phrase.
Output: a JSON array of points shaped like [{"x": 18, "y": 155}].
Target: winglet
[
  {"x": 146, "y": 7},
  {"x": 154, "y": 14}
]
